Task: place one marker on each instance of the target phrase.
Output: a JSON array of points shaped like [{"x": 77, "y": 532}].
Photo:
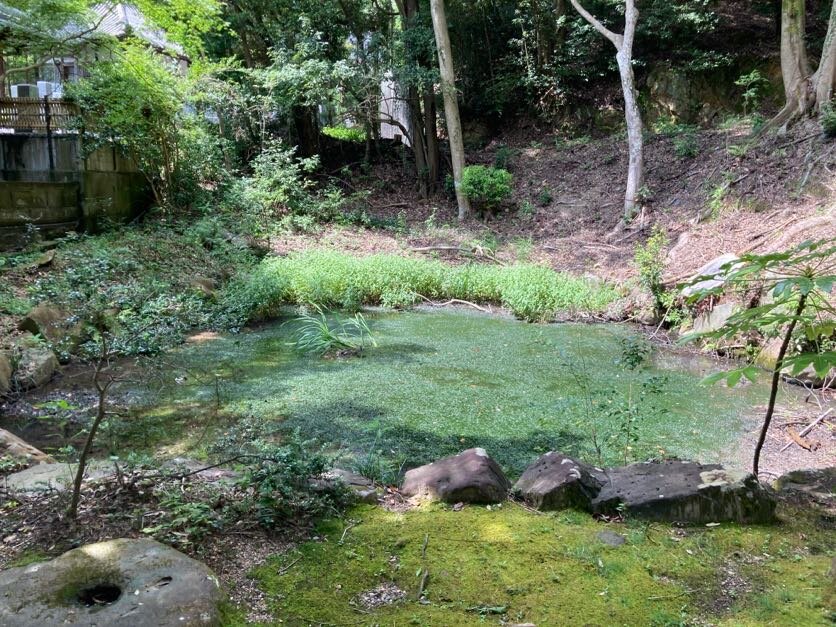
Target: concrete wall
[{"x": 70, "y": 192}]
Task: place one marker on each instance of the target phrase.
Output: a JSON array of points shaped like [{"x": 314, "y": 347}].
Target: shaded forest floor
[{"x": 712, "y": 191}]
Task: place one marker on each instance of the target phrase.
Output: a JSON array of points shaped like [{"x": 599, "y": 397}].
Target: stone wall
[{"x": 64, "y": 192}]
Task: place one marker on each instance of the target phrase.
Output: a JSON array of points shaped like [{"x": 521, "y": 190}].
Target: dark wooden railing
[{"x": 38, "y": 115}]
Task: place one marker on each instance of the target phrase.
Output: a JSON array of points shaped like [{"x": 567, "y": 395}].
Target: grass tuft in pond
[{"x": 332, "y": 279}]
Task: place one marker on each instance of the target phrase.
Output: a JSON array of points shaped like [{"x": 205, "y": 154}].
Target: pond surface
[{"x": 441, "y": 381}]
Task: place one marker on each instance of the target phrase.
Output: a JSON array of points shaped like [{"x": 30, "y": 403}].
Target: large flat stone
[
  {"x": 555, "y": 481},
  {"x": 678, "y": 491},
  {"x": 712, "y": 275},
  {"x": 152, "y": 584},
  {"x": 55, "y": 476},
  {"x": 469, "y": 477}
]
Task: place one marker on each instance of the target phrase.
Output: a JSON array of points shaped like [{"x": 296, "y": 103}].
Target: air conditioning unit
[
  {"x": 24, "y": 91},
  {"x": 49, "y": 89}
]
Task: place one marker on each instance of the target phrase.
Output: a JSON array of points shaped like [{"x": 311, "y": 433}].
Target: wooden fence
[{"x": 39, "y": 115}]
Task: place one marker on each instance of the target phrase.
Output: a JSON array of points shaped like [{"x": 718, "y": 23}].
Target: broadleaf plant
[{"x": 798, "y": 284}]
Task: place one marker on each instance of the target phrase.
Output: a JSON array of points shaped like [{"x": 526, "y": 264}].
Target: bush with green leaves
[
  {"x": 331, "y": 279},
  {"x": 827, "y": 119},
  {"x": 650, "y": 262},
  {"x": 486, "y": 187}
]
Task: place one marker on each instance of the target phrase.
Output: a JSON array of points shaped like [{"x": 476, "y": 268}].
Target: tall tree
[
  {"x": 805, "y": 91},
  {"x": 635, "y": 128},
  {"x": 451, "y": 105}
]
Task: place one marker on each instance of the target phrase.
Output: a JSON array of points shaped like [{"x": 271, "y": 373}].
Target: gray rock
[
  {"x": 36, "y": 367},
  {"x": 678, "y": 491},
  {"x": 469, "y": 477},
  {"x": 5, "y": 374},
  {"x": 55, "y": 476},
  {"x": 712, "y": 274},
  {"x": 54, "y": 325},
  {"x": 611, "y": 538},
  {"x": 555, "y": 481},
  {"x": 820, "y": 483},
  {"x": 16, "y": 448},
  {"x": 134, "y": 583},
  {"x": 714, "y": 319},
  {"x": 363, "y": 488}
]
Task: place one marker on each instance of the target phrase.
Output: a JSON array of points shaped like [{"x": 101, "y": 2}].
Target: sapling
[{"x": 798, "y": 282}]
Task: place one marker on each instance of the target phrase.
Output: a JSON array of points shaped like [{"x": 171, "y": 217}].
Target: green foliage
[
  {"x": 353, "y": 134},
  {"x": 827, "y": 119},
  {"x": 315, "y": 334},
  {"x": 544, "y": 197},
  {"x": 753, "y": 85},
  {"x": 134, "y": 102},
  {"x": 503, "y": 156},
  {"x": 486, "y": 186},
  {"x": 650, "y": 261},
  {"x": 799, "y": 282},
  {"x": 328, "y": 279}
]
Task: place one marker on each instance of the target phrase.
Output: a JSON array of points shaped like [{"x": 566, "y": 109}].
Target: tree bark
[
  {"x": 451, "y": 105},
  {"x": 825, "y": 75},
  {"x": 431, "y": 130},
  {"x": 632, "y": 115}
]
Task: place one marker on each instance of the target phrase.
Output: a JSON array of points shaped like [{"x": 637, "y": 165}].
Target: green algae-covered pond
[{"x": 441, "y": 381}]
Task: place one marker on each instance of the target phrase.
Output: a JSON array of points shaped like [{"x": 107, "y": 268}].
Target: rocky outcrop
[
  {"x": 36, "y": 367},
  {"x": 127, "y": 582},
  {"x": 469, "y": 477},
  {"x": 555, "y": 481},
  {"x": 54, "y": 325},
  {"x": 715, "y": 318},
  {"x": 687, "y": 492},
  {"x": 12, "y": 446}
]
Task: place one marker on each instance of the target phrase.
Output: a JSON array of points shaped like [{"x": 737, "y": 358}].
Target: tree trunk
[
  {"x": 825, "y": 75},
  {"x": 451, "y": 105},
  {"x": 632, "y": 115},
  {"x": 431, "y": 130},
  {"x": 418, "y": 147},
  {"x": 795, "y": 68},
  {"x": 307, "y": 131}
]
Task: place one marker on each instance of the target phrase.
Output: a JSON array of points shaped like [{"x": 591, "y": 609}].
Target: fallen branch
[
  {"x": 455, "y": 301},
  {"x": 806, "y": 430}
]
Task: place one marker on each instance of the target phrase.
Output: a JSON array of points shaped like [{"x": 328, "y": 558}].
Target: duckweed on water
[
  {"x": 439, "y": 382},
  {"x": 531, "y": 292},
  {"x": 507, "y": 565}
]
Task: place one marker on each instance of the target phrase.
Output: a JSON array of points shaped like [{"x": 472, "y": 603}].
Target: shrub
[
  {"x": 486, "y": 186},
  {"x": 650, "y": 261}
]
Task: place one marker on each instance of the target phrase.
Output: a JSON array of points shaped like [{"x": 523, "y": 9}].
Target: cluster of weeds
[{"x": 332, "y": 279}]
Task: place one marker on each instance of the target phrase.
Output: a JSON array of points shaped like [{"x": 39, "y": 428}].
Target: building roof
[
  {"x": 116, "y": 19},
  {"x": 122, "y": 19}
]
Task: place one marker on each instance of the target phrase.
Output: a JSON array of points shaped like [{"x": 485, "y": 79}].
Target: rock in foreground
[
  {"x": 133, "y": 583},
  {"x": 469, "y": 477},
  {"x": 687, "y": 492},
  {"x": 555, "y": 481}
]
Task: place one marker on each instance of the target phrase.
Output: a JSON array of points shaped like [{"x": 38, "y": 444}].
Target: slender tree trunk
[
  {"x": 431, "y": 130},
  {"x": 825, "y": 75},
  {"x": 451, "y": 105},
  {"x": 632, "y": 115},
  {"x": 418, "y": 147},
  {"x": 776, "y": 378}
]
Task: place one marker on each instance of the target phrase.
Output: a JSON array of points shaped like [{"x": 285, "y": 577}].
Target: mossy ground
[{"x": 509, "y": 565}]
